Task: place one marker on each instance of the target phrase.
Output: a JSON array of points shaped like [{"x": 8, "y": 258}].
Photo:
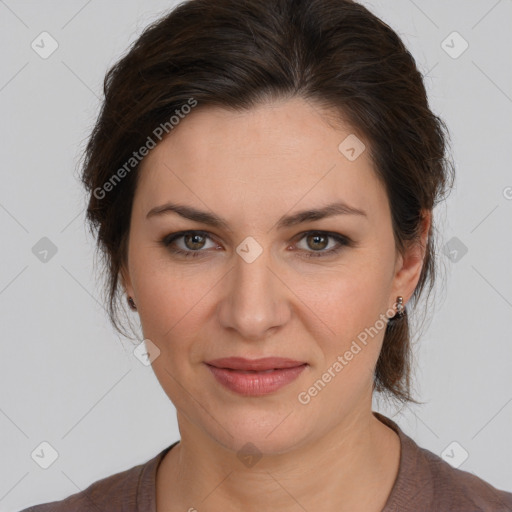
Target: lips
[
  {"x": 255, "y": 365},
  {"x": 255, "y": 377}
]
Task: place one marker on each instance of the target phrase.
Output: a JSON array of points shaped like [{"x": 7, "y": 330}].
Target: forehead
[{"x": 267, "y": 158}]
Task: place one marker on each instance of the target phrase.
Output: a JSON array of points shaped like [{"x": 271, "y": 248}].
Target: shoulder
[
  {"x": 426, "y": 482},
  {"x": 126, "y": 491},
  {"x": 454, "y": 489},
  {"x": 107, "y": 491}
]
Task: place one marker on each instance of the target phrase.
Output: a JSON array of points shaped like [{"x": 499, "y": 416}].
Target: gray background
[{"x": 67, "y": 378}]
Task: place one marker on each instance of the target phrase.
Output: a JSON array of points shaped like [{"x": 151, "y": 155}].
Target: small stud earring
[{"x": 131, "y": 303}]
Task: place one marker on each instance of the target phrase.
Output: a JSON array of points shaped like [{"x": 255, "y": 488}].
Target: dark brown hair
[{"x": 238, "y": 53}]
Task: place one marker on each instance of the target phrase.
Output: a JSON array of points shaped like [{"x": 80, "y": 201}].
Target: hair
[{"x": 237, "y": 54}]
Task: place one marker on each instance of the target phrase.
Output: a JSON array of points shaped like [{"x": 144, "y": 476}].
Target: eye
[
  {"x": 319, "y": 241},
  {"x": 192, "y": 243}
]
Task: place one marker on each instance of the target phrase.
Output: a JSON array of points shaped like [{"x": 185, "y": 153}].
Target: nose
[{"x": 255, "y": 301}]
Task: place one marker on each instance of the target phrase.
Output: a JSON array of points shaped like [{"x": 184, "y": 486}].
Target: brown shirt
[{"x": 425, "y": 483}]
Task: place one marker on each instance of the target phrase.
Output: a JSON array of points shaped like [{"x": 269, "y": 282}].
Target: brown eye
[
  {"x": 194, "y": 242},
  {"x": 317, "y": 242},
  {"x": 188, "y": 243}
]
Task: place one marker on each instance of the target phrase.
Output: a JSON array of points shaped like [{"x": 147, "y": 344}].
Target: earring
[
  {"x": 400, "y": 309},
  {"x": 131, "y": 303}
]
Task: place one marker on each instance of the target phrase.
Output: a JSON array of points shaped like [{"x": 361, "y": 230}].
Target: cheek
[
  {"x": 175, "y": 304},
  {"x": 172, "y": 314},
  {"x": 349, "y": 298},
  {"x": 351, "y": 304},
  {"x": 352, "y": 310},
  {"x": 170, "y": 304},
  {"x": 163, "y": 287}
]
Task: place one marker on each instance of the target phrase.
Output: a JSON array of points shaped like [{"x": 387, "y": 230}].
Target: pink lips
[{"x": 255, "y": 377}]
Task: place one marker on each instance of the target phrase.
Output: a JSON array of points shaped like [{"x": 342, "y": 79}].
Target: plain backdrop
[{"x": 66, "y": 378}]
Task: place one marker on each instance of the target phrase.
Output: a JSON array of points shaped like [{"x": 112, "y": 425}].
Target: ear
[
  {"x": 124, "y": 273},
  {"x": 125, "y": 280},
  {"x": 409, "y": 265}
]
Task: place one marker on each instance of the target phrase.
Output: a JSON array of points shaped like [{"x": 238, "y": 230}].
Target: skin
[{"x": 251, "y": 168}]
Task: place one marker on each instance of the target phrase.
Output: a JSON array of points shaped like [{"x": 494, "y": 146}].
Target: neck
[{"x": 332, "y": 473}]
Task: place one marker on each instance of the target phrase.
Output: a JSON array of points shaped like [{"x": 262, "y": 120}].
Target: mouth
[{"x": 255, "y": 377}]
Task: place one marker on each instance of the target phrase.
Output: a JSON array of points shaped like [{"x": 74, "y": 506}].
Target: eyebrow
[{"x": 211, "y": 219}]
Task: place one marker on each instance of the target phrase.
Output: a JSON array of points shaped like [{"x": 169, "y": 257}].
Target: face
[{"x": 262, "y": 281}]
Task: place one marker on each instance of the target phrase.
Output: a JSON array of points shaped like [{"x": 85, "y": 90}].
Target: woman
[{"x": 262, "y": 178}]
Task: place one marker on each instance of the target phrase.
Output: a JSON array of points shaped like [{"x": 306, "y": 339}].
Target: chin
[{"x": 271, "y": 430}]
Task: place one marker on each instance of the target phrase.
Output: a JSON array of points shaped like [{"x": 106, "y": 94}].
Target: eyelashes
[{"x": 197, "y": 237}]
